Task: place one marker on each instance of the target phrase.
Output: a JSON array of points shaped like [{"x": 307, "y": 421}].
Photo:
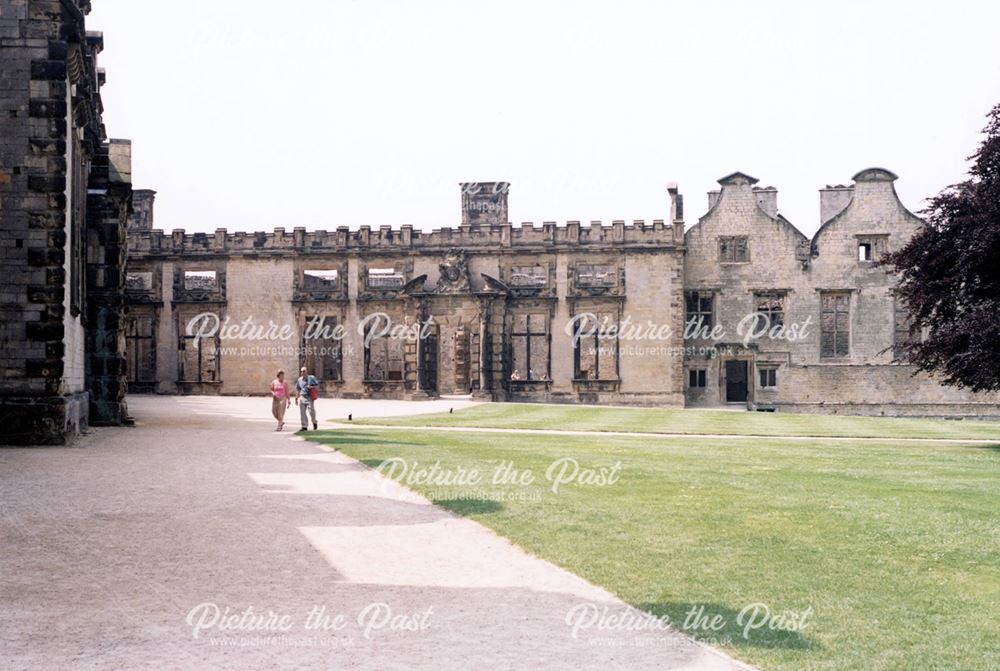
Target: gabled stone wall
[{"x": 864, "y": 378}]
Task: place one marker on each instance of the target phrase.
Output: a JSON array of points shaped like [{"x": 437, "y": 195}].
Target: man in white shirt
[{"x": 304, "y": 387}]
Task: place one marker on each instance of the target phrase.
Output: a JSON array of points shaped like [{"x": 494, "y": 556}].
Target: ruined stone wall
[
  {"x": 50, "y": 132},
  {"x": 864, "y": 379},
  {"x": 498, "y": 302},
  {"x": 108, "y": 209},
  {"x": 471, "y": 305}
]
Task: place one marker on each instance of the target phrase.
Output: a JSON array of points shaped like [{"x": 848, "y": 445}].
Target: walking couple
[{"x": 306, "y": 392}]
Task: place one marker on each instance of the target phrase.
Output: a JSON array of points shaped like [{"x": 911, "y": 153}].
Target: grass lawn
[
  {"x": 655, "y": 420},
  {"x": 893, "y": 546}
]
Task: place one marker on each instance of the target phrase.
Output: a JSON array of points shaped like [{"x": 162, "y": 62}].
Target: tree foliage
[{"x": 950, "y": 275}]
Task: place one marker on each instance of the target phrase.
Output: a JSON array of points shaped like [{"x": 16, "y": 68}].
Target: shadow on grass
[
  {"x": 466, "y": 507},
  {"x": 337, "y": 437},
  {"x": 731, "y": 629},
  {"x": 463, "y": 507}
]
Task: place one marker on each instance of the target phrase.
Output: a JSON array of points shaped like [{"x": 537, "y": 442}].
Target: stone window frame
[
  {"x": 154, "y": 293},
  {"x": 190, "y": 274},
  {"x": 780, "y": 296},
  {"x": 509, "y": 264},
  {"x": 730, "y": 245},
  {"x": 611, "y": 275},
  {"x": 132, "y": 349},
  {"x": 871, "y": 247},
  {"x": 697, "y": 378},
  {"x": 324, "y": 283},
  {"x": 700, "y": 311},
  {"x": 543, "y": 276},
  {"x": 184, "y": 340},
  {"x": 545, "y": 335},
  {"x": 383, "y": 342},
  {"x": 767, "y": 376},
  {"x": 302, "y": 293},
  {"x": 139, "y": 273},
  {"x": 616, "y": 288},
  {"x": 310, "y": 361},
  {"x": 391, "y": 273},
  {"x": 184, "y": 295},
  {"x": 401, "y": 267},
  {"x": 836, "y": 352},
  {"x": 598, "y": 309}
]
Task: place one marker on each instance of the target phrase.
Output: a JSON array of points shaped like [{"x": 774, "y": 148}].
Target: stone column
[
  {"x": 354, "y": 353},
  {"x": 562, "y": 343}
]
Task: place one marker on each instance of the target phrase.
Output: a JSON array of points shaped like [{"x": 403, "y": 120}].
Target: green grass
[
  {"x": 656, "y": 420},
  {"x": 893, "y": 546}
]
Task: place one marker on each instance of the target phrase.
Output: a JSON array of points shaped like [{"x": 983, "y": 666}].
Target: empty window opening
[{"x": 200, "y": 280}]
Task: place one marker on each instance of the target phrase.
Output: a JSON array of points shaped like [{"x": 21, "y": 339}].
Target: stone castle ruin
[{"x": 738, "y": 309}]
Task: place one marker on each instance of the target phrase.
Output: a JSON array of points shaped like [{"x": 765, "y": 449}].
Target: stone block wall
[
  {"x": 864, "y": 379},
  {"x": 50, "y": 131},
  {"x": 108, "y": 210},
  {"x": 457, "y": 280}
]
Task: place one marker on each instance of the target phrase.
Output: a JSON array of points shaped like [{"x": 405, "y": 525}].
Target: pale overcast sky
[{"x": 252, "y": 115}]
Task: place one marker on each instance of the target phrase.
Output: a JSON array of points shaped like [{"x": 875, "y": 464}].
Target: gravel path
[{"x": 126, "y": 551}]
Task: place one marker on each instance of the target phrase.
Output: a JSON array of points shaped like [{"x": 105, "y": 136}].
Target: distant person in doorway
[
  {"x": 281, "y": 398},
  {"x": 306, "y": 393}
]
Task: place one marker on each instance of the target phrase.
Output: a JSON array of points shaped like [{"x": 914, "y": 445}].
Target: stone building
[
  {"x": 742, "y": 308},
  {"x": 65, "y": 194},
  {"x": 806, "y": 325},
  {"x": 484, "y": 308}
]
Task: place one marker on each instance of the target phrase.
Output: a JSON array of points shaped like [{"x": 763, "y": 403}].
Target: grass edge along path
[{"x": 693, "y": 421}]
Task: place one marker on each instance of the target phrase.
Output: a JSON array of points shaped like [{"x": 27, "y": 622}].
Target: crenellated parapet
[
  {"x": 385, "y": 239},
  {"x": 484, "y": 229}
]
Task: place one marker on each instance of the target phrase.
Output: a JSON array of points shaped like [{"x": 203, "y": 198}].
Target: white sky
[{"x": 251, "y": 115}]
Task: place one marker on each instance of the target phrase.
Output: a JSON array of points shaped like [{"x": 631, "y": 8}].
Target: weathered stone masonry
[
  {"x": 65, "y": 198},
  {"x": 490, "y": 298},
  {"x": 744, "y": 258},
  {"x": 494, "y": 300}
]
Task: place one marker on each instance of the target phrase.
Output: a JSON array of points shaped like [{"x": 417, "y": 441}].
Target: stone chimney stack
[
  {"x": 713, "y": 198},
  {"x": 767, "y": 199},
  {"x": 676, "y": 204},
  {"x": 484, "y": 203},
  {"x": 833, "y": 200},
  {"x": 142, "y": 206}
]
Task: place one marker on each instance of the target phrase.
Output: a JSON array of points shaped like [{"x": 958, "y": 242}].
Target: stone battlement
[{"x": 488, "y": 237}]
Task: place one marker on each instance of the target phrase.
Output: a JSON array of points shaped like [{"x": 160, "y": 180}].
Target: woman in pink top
[{"x": 281, "y": 399}]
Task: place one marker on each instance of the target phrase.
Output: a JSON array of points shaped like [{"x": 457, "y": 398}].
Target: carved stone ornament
[{"x": 454, "y": 273}]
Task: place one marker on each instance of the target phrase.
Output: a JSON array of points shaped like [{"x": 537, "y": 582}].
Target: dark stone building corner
[{"x": 65, "y": 194}]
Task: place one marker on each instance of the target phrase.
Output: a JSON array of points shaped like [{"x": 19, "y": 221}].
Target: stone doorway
[
  {"x": 428, "y": 371},
  {"x": 736, "y": 381}
]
